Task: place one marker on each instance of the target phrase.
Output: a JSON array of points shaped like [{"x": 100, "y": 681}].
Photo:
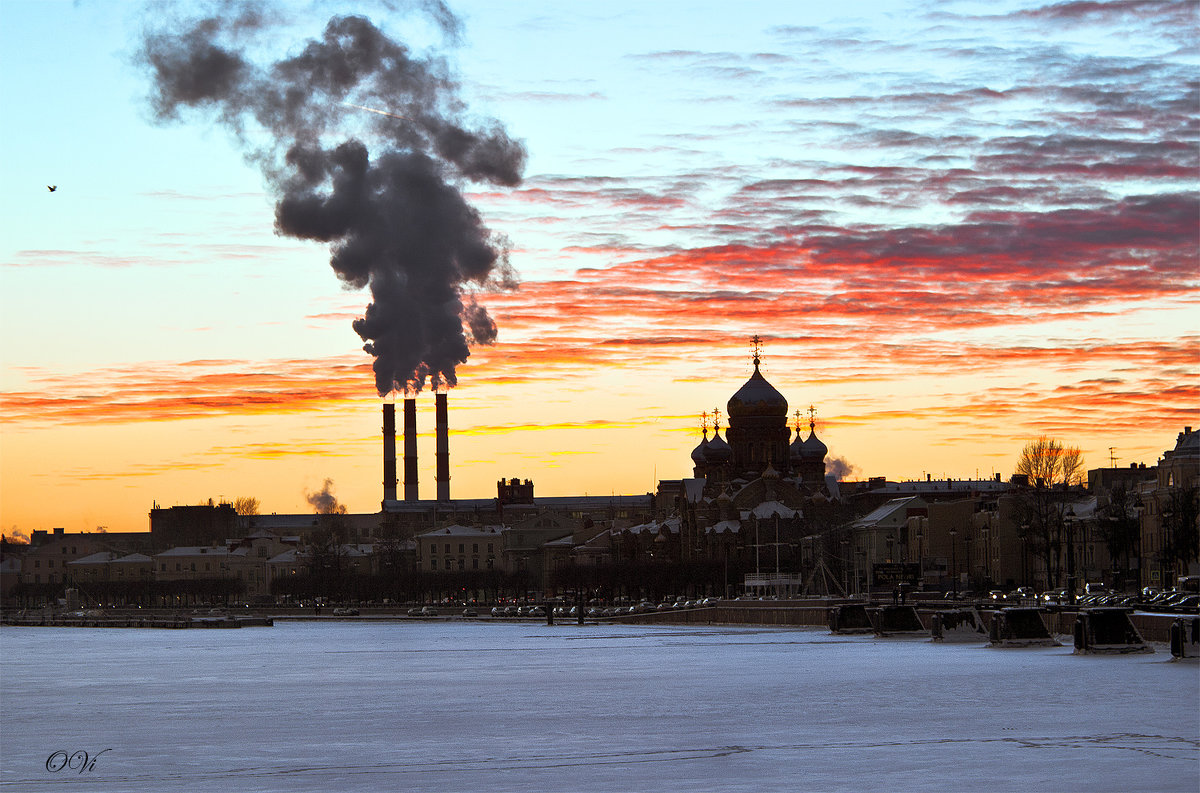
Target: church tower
[{"x": 758, "y": 432}]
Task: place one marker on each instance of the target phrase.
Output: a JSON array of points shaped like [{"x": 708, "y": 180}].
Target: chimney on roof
[
  {"x": 410, "y": 449},
  {"x": 443, "y": 448},
  {"x": 389, "y": 451}
]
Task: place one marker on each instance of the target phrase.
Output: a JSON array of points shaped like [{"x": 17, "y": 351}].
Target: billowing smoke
[
  {"x": 324, "y": 502},
  {"x": 366, "y": 150},
  {"x": 838, "y": 467}
]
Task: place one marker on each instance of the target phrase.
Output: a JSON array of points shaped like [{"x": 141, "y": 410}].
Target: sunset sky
[{"x": 955, "y": 225}]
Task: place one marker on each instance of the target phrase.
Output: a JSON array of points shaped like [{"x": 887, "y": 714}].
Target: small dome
[
  {"x": 770, "y": 473},
  {"x": 698, "y": 454},
  {"x": 757, "y": 398},
  {"x": 796, "y": 449},
  {"x": 717, "y": 450},
  {"x": 812, "y": 448}
]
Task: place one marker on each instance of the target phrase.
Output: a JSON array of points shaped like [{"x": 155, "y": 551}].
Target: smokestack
[
  {"x": 443, "y": 449},
  {"x": 410, "y": 449},
  {"x": 389, "y": 451}
]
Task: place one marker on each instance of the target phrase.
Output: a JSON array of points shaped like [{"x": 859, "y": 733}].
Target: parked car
[
  {"x": 428, "y": 611},
  {"x": 1189, "y": 604},
  {"x": 470, "y": 612},
  {"x": 415, "y": 612},
  {"x": 345, "y": 612}
]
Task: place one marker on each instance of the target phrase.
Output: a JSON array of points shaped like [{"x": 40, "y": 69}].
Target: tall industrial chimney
[
  {"x": 410, "y": 449},
  {"x": 443, "y": 449},
  {"x": 389, "y": 451}
]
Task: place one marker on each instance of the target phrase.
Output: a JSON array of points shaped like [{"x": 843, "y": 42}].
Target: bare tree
[
  {"x": 1050, "y": 466},
  {"x": 1046, "y": 461},
  {"x": 246, "y": 505}
]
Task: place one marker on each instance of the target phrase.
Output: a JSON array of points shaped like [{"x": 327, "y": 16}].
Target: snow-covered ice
[{"x": 445, "y": 706}]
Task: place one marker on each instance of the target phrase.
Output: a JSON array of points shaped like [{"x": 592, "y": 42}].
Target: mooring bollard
[
  {"x": 549, "y": 613},
  {"x": 1178, "y": 639}
]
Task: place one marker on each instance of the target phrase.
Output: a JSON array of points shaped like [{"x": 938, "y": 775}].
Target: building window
[
  {"x": 462, "y": 547},
  {"x": 489, "y": 547},
  {"x": 49, "y": 563},
  {"x": 474, "y": 547},
  {"x": 447, "y": 547},
  {"x": 433, "y": 564},
  {"x": 474, "y": 564}
]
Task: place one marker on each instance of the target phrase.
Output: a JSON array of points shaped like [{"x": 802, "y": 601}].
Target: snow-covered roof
[
  {"x": 654, "y": 527},
  {"x": 887, "y": 510},
  {"x": 769, "y": 509},
  {"x": 725, "y": 526},
  {"x": 103, "y": 557},
  {"x": 693, "y": 490},
  {"x": 290, "y": 556},
  {"x": 1084, "y": 509},
  {"x": 457, "y": 530},
  {"x": 193, "y": 550},
  {"x": 831, "y": 484},
  {"x": 133, "y": 558}
]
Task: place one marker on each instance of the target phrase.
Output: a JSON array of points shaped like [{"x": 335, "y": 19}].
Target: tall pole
[{"x": 954, "y": 561}]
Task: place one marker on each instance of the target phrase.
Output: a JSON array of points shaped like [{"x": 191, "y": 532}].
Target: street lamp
[
  {"x": 921, "y": 552},
  {"x": 1069, "y": 520},
  {"x": 953, "y": 561},
  {"x": 1024, "y": 554}
]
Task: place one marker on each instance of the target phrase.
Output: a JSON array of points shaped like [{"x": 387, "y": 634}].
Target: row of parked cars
[
  {"x": 1149, "y": 599},
  {"x": 572, "y": 612}
]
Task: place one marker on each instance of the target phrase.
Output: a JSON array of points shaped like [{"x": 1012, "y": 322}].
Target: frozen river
[{"x": 448, "y": 706}]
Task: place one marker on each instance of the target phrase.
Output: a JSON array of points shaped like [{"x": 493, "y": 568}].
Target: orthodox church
[
  {"x": 758, "y": 443},
  {"x": 755, "y": 493}
]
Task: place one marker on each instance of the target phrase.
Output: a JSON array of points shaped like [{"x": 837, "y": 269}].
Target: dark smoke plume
[
  {"x": 324, "y": 502},
  {"x": 839, "y": 468},
  {"x": 367, "y": 151}
]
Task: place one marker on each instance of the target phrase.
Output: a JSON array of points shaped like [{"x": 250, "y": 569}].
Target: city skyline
[{"x": 956, "y": 226}]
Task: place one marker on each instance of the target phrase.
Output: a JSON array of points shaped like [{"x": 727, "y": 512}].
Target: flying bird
[{"x": 51, "y": 187}]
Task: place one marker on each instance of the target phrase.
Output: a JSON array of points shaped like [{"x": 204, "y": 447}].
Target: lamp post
[
  {"x": 845, "y": 566},
  {"x": 921, "y": 552},
  {"x": 953, "y": 562},
  {"x": 1140, "y": 510},
  {"x": 1069, "y": 521},
  {"x": 1024, "y": 554},
  {"x": 891, "y": 540},
  {"x": 859, "y": 553},
  {"x": 1167, "y": 549}
]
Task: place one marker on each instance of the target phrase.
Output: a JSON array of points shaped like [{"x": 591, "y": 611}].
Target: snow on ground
[{"x": 446, "y": 706}]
